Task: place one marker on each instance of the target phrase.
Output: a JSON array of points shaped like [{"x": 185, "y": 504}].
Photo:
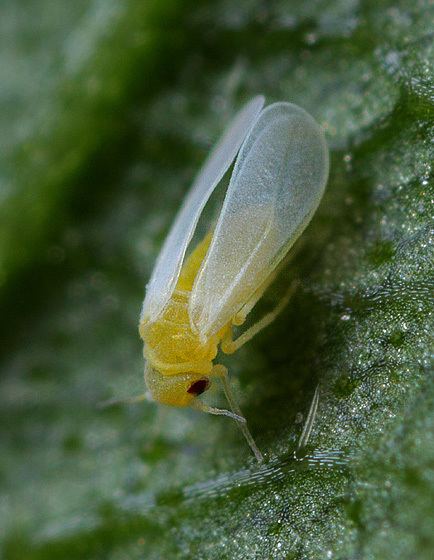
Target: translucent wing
[
  {"x": 276, "y": 186},
  {"x": 169, "y": 262}
]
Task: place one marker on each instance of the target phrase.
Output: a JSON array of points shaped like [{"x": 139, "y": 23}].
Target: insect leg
[
  {"x": 230, "y": 346},
  {"x": 241, "y": 316},
  {"x": 222, "y": 372},
  {"x": 199, "y": 405}
]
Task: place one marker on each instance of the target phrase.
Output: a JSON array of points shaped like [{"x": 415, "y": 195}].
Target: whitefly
[{"x": 194, "y": 303}]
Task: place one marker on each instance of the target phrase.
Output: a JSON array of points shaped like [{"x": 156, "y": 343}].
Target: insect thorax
[{"x": 171, "y": 346}]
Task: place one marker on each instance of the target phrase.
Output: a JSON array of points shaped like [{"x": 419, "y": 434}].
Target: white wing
[
  {"x": 169, "y": 262},
  {"x": 277, "y": 183}
]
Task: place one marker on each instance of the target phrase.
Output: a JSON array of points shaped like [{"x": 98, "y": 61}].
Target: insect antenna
[{"x": 129, "y": 400}]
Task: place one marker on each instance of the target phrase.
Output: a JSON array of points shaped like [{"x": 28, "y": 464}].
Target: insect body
[{"x": 192, "y": 304}]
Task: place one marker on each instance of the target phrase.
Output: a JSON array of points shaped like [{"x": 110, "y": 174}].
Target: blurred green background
[{"x": 107, "y": 109}]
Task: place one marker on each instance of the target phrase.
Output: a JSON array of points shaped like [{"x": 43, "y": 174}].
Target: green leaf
[{"x": 108, "y": 109}]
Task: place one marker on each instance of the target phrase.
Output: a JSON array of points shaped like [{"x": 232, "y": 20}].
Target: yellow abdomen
[{"x": 170, "y": 344}]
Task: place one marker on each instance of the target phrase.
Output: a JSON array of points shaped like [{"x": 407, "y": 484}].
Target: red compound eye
[{"x": 198, "y": 387}]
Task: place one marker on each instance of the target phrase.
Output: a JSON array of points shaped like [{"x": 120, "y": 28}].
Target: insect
[{"x": 193, "y": 303}]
